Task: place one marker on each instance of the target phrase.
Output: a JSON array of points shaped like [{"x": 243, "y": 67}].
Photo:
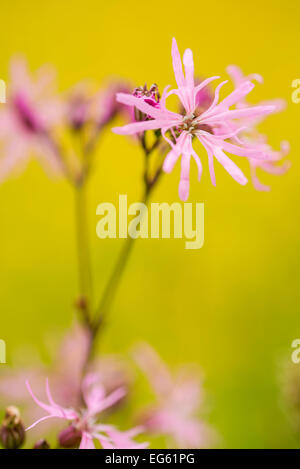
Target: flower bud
[
  {"x": 41, "y": 444},
  {"x": 81, "y": 303},
  {"x": 78, "y": 112},
  {"x": 150, "y": 97},
  {"x": 12, "y": 432},
  {"x": 70, "y": 437},
  {"x": 27, "y": 115}
]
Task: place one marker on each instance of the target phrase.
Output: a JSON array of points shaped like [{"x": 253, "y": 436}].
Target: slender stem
[
  {"x": 104, "y": 307},
  {"x": 58, "y": 155},
  {"x": 83, "y": 253},
  {"x": 116, "y": 276}
]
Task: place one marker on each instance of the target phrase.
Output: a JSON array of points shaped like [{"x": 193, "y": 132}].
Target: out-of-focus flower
[
  {"x": 85, "y": 106},
  {"x": 12, "y": 432},
  {"x": 178, "y": 400},
  {"x": 83, "y": 422},
  {"x": 269, "y": 165},
  {"x": 78, "y": 103},
  {"x": 27, "y": 119},
  {"x": 106, "y": 107},
  {"x": 34, "y": 121},
  {"x": 253, "y": 138},
  {"x": 88, "y": 111},
  {"x": 197, "y": 123},
  {"x": 65, "y": 374}
]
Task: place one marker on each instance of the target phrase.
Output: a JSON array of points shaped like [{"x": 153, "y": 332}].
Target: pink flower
[
  {"x": 178, "y": 401},
  {"x": 104, "y": 106},
  {"x": 83, "y": 423},
  {"x": 196, "y": 122},
  {"x": 254, "y": 139},
  {"x": 65, "y": 374},
  {"x": 77, "y": 106},
  {"x": 27, "y": 118},
  {"x": 66, "y": 371}
]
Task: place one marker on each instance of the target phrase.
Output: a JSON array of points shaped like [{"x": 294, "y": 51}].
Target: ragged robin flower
[
  {"x": 206, "y": 125},
  {"x": 254, "y": 139},
  {"x": 83, "y": 426},
  {"x": 31, "y": 112}
]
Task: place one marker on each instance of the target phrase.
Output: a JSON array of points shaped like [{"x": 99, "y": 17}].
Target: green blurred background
[{"x": 233, "y": 306}]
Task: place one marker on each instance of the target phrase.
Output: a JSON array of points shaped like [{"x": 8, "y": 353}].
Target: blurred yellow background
[{"x": 233, "y": 306}]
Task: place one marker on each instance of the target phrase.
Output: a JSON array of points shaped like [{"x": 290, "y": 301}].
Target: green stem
[
  {"x": 109, "y": 293},
  {"x": 83, "y": 253},
  {"x": 104, "y": 307}
]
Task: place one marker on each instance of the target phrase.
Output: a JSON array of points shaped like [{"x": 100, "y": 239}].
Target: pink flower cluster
[
  {"x": 83, "y": 423},
  {"x": 216, "y": 126},
  {"x": 32, "y": 109},
  {"x": 178, "y": 400},
  {"x": 35, "y": 118},
  {"x": 35, "y": 112},
  {"x": 86, "y": 405},
  {"x": 254, "y": 139}
]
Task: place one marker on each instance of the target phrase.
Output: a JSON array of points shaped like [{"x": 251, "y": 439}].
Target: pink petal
[
  {"x": 256, "y": 182},
  {"x": 184, "y": 184},
  {"x": 199, "y": 164},
  {"x": 237, "y": 95},
  {"x": 47, "y": 417},
  {"x": 87, "y": 441},
  {"x": 203, "y": 84},
  {"x": 216, "y": 97},
  {"x": 177, "y": 65},
  {"x": 189, "y": 67},
  {"x": 122, "y": 440},
  {"x": 19, "y": 73},
  {"x": 53, "y": 409},
  {"x": 108, "y": 401},
  {"x": 285, "y": 147},
  {"x": 144, "y": 107},
  {"x": 232, "y": 134},
  {"x": 280, "y": 104},
  {"x": 230, "y": 166},
  {"x": 238, "y": 77},
  {"x": 236, "y": 74},
  {"x": 254, "y": 111},
  {"x": 93, "y": 392},
  {"x": 138, "y": 127},
  {"x": 154, "y": 368},
  {"x": 48, "y": 408},
  {"x": 277, "y": 170},
  {"x": 49, "y": 396},
  {"x": 251, "y": 152},
  {"x": 210, "y": 160},
  {"x": 164, "y": 98},
  {"x": 105, "y": 443},
  {"x": 170, "y": 161}
]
